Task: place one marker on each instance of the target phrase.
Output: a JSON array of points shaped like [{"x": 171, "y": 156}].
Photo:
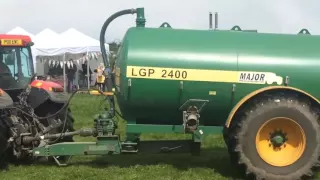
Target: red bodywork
[
  {"x": 25, "y": 39},
  {"x": 58, "y": 81},
  {"x": 46, "y": 85}
]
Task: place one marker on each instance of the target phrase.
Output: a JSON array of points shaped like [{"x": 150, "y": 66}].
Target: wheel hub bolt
[{"x": 278, "y": 138}]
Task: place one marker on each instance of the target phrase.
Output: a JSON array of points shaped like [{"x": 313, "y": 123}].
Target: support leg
[{"x": 130, "y": 145}]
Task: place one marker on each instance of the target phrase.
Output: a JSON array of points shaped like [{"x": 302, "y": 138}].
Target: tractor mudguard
[
  {"x": 5, "y": 100},
  {"x": 41, "y": 91}
]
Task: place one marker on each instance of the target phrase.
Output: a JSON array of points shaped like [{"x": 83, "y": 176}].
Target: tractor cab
[
  {"x": 16, "y": 71},
  {"x": 16, "y": 64}
]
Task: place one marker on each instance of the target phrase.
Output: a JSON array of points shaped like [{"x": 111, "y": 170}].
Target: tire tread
[{"x": 235, "y": 132}]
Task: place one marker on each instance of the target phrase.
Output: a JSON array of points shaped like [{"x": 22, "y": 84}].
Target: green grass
[{"x": 212, "y": 164}]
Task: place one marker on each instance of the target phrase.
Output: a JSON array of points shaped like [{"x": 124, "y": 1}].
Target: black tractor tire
[
  {"x": 241, "y": 139},
  {"x": 4, "y": 149},
  {"x": 68, "y": 128}
]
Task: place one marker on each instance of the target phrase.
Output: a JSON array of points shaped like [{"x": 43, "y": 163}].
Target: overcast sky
[{"x": 279, "y": 16}]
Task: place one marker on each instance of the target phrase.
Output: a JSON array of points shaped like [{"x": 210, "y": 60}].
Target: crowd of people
[{"x": 102, "y": 76}]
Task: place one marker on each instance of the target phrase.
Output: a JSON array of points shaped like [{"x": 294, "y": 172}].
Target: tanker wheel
[{"x": 277, "y": 138}]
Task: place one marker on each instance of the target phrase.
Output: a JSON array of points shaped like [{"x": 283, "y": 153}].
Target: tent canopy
[
  {"x": 21, "y": 31},
  {"x": 77, "y": 42},
  {"x": 49, "y": 43}
]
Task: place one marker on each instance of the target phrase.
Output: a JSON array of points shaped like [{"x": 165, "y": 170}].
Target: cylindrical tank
[{"x": 160, "y": 69}]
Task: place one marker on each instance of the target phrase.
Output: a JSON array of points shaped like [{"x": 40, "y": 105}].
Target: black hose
[
  {"x": 103, "y": 32},
  {"x": 102, "y": 42},
  {"x": 52, "y": 115}
]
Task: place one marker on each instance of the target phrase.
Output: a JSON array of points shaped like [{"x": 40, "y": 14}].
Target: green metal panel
[
  {"x": 295, "y": 56},
  {"x": 133, "y": 128},
  {"x": 157, "y": 101}
]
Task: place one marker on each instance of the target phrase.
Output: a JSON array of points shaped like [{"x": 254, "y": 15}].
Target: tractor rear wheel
[
  {"x": 277, "y": 138},
  {"x": 68, "y": 127},
  {"x": 3, "y": 145}
]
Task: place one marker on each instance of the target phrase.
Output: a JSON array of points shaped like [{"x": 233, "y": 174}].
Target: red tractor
[{"x": 29, "y": 108}]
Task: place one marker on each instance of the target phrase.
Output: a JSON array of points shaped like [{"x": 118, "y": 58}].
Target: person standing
[
  {"x": 100, "y": 77},
  {"x": 85, "y": 73},
  {"x": 70, "y": 72},
  {"x": 107, "y": 80}
]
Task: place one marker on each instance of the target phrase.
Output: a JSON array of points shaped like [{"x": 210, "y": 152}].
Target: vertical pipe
[
  {"x": 88, "y": 73},
  {"x": 215, "y": 20},
  {"x": 210, "y": 21},
  {"x": 140, "y": 20},
  {"x": 64, "y": 73}
]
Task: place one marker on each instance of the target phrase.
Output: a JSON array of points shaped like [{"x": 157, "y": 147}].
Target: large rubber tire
[
  {"x": 3, "y": 145},
  {"x": 68, "y": 128},
  {"x": 241, "y": 139}
]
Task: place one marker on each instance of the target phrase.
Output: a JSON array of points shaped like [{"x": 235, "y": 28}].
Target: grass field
[{"x": 212, "y": 164}]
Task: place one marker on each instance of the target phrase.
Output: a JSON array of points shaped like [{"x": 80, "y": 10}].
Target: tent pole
[
  {"x": 88, "y": 75},
  {"x": 64, "y": 72}
]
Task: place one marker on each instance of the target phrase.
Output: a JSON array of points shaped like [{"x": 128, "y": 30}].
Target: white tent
[
  {"x": 59, "y": 48},
  {"x": 20, "y": 31},
  {"x": 77, "y": 42},
  {"x": 49, "y": 43}
]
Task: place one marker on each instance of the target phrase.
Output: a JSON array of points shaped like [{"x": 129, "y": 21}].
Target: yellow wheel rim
[{"x": 280, "y": 141}]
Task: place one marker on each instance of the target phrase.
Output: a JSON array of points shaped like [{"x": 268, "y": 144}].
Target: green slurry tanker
[{"x": 257, "y": 89}]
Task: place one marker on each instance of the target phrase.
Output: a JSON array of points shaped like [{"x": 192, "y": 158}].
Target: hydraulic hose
[
  {"x": 102, "y": 44},
  {"x": 103, "y": 32}
]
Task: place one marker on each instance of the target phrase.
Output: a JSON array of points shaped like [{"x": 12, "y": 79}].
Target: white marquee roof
[
  {"x": 50, "y": 43},
  {"x": 79, "y": 42},
  {"x": 20, "y": 31}
]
